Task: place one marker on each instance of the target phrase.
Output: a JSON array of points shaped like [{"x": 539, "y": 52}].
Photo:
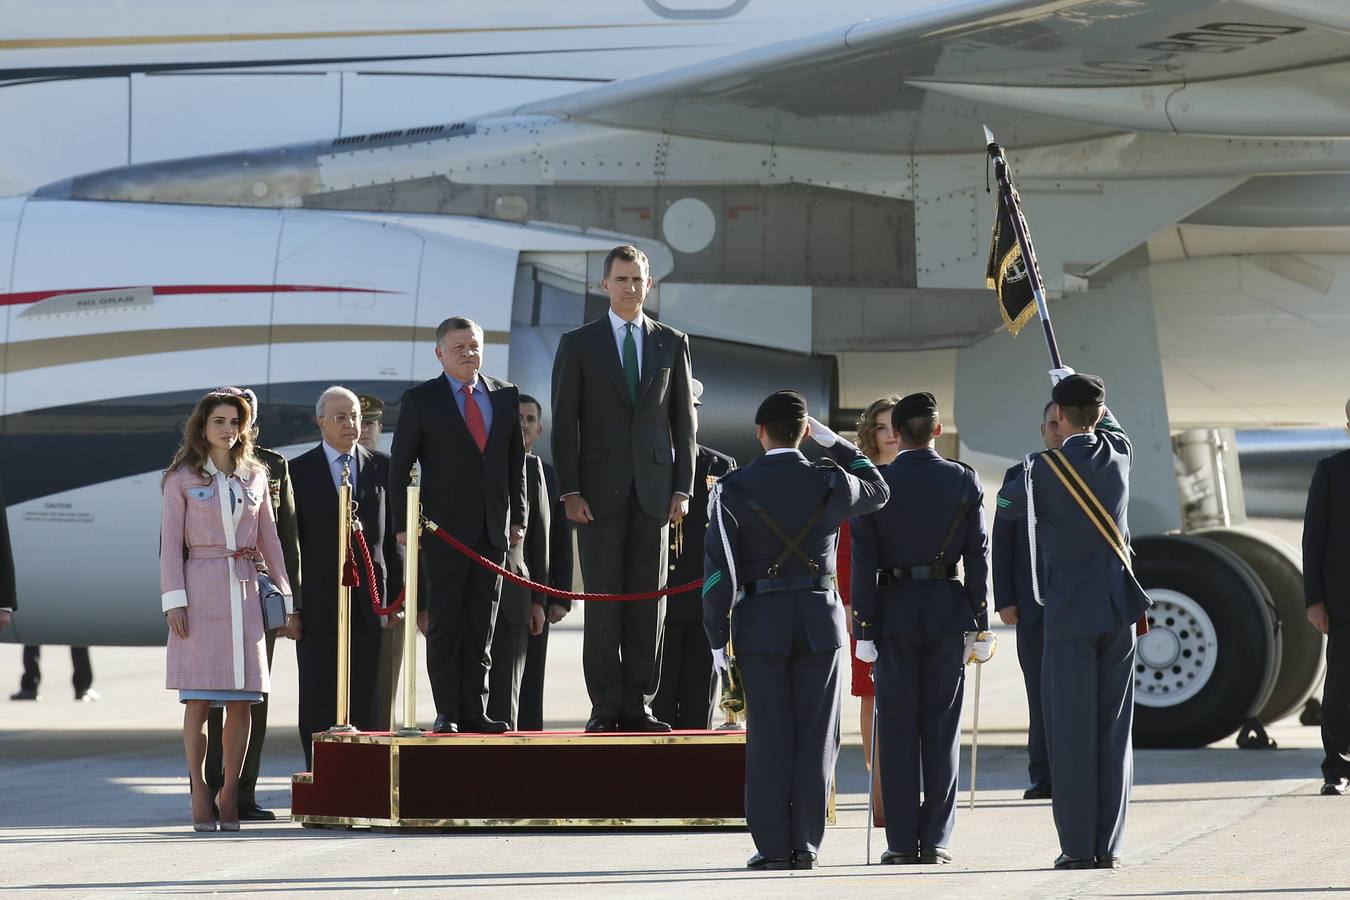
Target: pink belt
[{"x": 245, "y": 558}]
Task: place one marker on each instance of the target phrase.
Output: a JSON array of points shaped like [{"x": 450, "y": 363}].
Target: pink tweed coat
[{"x": 224, "y": 649}]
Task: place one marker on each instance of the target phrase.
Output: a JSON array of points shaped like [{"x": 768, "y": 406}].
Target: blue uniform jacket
[
  {"x": 927, "y": 491},
  {"x": 789, "y": 488},
  {"x": 1087, "y": 589},
  {"x": 1012, "y": 563}
]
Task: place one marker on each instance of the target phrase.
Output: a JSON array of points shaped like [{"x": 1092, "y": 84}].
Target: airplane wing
[{"x": 1037, "y": 71}]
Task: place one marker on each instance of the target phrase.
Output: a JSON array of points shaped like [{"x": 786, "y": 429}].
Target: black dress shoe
[
  {"x": 644, "y": 724},
  {"x": 24, "y": 695},
  {"x": 445, "y": 725},
  {"x": 1335, "y": 788},
  {"x": 1064, "y": 861},
  {"x": 1108, "y": 862},
  {"x": 250, "y": 811},
  {"x": 1038, "y": 791},
  {"x": 935, "y": 856},
  {"x": 896, "y": 858},
  {"x": 600, "y": 725},
  {"x": 482, "y": 725},
  {"x": 759, "y": 861},
  {"x": 803, "y": 859}
]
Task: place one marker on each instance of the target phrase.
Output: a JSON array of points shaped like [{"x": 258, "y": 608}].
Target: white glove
[
  {"x": 820, "y": 433},
  {"x": 1058, "y": 375},
  {"x": 980, "y": 646},
  {"x": 866, "y": 651},
  {"x": 720, "y": 659}
]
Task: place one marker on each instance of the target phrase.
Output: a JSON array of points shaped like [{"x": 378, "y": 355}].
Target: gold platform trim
[
  {"x": 356, "y": 822},
  {"x": 395, "y": 740}
]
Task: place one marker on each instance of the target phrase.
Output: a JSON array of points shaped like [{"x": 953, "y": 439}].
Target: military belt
[
  {"x": 791, "y": 583},
  {"x": 936, "y": 572}
]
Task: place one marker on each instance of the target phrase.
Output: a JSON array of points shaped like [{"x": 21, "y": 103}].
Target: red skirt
[{"x": 862, "y": 684}]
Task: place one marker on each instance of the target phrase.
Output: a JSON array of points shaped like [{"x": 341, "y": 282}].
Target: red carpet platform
[{"x": 684, "y": 779}]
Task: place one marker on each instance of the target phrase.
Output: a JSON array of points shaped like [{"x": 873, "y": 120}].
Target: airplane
[{"x": 286, "y": 196}]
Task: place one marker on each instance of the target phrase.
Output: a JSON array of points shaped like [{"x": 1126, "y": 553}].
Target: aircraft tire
[{"x": 1212, "y": 656}]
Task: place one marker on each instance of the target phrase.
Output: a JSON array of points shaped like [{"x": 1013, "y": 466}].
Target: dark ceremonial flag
[{"x": 1006, "y": 271}]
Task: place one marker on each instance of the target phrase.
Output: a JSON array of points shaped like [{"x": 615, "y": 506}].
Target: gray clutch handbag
[{"x": 273, "y": 602}]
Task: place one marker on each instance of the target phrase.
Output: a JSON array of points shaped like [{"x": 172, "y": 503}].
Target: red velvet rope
[{"x": 393, "y": 608}]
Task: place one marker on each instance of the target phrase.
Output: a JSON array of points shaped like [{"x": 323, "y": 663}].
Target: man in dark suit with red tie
[
  {"x": 464, "y": 429},
  {"x": 623, "y": 442}
]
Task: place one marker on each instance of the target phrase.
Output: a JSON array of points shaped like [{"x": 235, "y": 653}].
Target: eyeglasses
[{"x": 344, "y": 419}]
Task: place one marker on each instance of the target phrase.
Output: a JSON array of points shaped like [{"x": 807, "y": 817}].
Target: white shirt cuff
[
  {"x": 290, "y": 603},
  {"x": 173, "y": 600}
]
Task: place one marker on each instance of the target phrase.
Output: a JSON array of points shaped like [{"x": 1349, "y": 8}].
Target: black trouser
[
  {"x": 215, "y": 761},
  {"x": 621, "y": 646},
  {"x": 791, "y": 745},
  {"x": 82, "y": 679},
  {"x": 510, "y": 642},
  {"x": 1088, "y": 688},
  {"x": 461, "y": 606},
  {"x": 1030, "y": 651},
  {"x": 687, "y": 693},
  {"x": 919, "y": 691},
  {"x": 316, "y": 658},
  {"x": 531, "y": 710},
  {"x": 1336, "y": 705}
]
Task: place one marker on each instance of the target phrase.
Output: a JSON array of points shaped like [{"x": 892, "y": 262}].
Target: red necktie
[{"x": 473, "y": 417}]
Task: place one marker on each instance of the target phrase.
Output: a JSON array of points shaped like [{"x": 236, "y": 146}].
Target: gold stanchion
[
  {"x": 344, "y": 608},
  {"x": 413, "y": 526}
]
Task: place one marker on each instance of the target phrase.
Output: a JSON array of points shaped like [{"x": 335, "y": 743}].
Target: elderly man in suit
[
  {"x": 1326, "y": 588},
  {"x": 623, "y": 442},
  {"x": 559, "y": 575},
  {"x": 1016, "y": 605},
  {"x": 316, "y": 475},
  {"x": 464, "y": 429},
  {"x": 1092, "y": 602}
]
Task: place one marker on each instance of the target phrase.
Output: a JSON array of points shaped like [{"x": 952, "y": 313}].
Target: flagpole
[{"x": 1008, "y": 194}]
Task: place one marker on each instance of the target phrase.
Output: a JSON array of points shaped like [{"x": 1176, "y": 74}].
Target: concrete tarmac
[{"x": 94, "y": 803}]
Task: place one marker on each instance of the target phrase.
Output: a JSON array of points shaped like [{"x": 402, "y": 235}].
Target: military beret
[
  {"x": 1079, "y": 390},
  {"x": 781, "y": 406},
  {"x": 696, "y": 388},
  {"x": 914, "y": 406},
  {"x": 372, "y": 408}
]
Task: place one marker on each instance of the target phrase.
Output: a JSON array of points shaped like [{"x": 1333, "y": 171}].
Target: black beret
[
  {"x": 1079, "y": 390},
  {"x": 781, "y": 406},
  {"x": 913, "y": 406}
]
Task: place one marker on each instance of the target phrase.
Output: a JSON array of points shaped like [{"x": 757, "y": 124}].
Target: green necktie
[{"x": 630, "y": 364}]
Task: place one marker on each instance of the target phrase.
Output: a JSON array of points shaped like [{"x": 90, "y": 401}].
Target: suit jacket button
[{"x": 672, "y": 568}]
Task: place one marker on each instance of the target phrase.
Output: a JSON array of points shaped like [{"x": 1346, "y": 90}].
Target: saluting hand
[{"x": 177, "y": 619}]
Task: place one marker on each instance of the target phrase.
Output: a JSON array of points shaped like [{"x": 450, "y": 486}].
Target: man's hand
[
  {"x": 394, "y": 620},
  {"x": 980, "y": 646},
  {"x": 1317, "y": 615},
  {"x": 578, "y": 510},
  {"x": 556, "y": 612},
  {"x": 719, "y": 656},
  {"x": 292, "y": 629},
  {"x": 821, "y": 434},
  {"x": 1008, "y": 614},
  {"x": 402, "y": 538},
  {"x": 177, "y": 619},
  {"x": 1058, "y": 375},
  {"x": 866, "y": 651},
  {"x": 517, "y": 534},
  {"x": 422, "y": 621},
  {"x": 6, "y": 616},
  {"x": 536, "y": 619},
  {"x": 679, "y": 507}
]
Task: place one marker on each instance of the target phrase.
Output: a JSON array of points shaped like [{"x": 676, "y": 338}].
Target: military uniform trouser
[{"x": 1088, "y": 690}]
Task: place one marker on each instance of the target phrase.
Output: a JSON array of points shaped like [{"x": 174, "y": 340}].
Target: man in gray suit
[
  {"x": 623, "y": 445},
  {"x": 1092, "y": 602}
]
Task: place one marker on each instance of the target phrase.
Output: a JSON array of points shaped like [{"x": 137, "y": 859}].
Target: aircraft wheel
[
  {"x": 1302, "y": 656},
  {"x": 1211, "y": 656}
]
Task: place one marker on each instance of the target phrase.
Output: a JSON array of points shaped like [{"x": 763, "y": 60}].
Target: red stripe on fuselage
[{"x": 168, "y": 290}]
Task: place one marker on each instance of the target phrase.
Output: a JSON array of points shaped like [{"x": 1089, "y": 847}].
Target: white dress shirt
[
  {"x": 335, "y": 466},
  {"x": 620, "y": 329}
]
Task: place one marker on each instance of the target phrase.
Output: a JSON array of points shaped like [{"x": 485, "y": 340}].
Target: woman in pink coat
[{"x": 217, "y": 526}]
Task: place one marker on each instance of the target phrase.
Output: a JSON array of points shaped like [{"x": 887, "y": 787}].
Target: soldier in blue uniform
[
  {"x": 1075, "y": 500},
  {"x": 1016, "y": 605},
  {"x": 770, "y": 553},
  {"x": 919, "y": 620}
]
